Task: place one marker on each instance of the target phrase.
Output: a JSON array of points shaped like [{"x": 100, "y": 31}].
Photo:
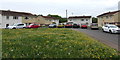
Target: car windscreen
[
  {"x": 20, "y": 25},
  {"x": 113, "y": 26},
  {"x": 94, "y": 24}
]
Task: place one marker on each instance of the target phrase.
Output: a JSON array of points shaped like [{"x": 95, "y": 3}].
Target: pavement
[{"x": 111, "y": 40}]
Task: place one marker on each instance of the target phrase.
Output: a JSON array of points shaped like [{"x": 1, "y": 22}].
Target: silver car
[{"x": 17, "y": 26}]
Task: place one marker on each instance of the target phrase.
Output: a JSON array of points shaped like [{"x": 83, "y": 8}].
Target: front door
[{"x": 7, "y": 25}]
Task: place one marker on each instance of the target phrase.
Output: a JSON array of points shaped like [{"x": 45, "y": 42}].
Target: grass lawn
[
  {"x": 0, "y": 43},
  {"x": 52, "y": 43}
]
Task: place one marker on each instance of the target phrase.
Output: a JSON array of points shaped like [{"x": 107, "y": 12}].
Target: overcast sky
[{"x": 58, "y": 7}]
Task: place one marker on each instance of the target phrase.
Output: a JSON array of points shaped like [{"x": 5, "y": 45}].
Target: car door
[{"x": 106, "y": 28}]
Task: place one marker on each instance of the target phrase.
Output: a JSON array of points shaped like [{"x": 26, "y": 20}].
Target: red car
[
  {"x": 68, "y": 25},
  {"x": 83, "y": 26},
  {"x": 33, "y": 26}
]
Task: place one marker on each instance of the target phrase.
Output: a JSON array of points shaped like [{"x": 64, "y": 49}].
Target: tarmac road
[{"x": 106, "y": 38}]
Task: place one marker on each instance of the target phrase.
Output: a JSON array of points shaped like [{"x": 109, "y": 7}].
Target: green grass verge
[
  {"x": 0, "y": 43},
  {"x": 52, "y": 43}
]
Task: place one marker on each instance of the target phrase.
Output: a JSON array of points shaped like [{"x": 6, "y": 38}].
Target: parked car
[
  {"x": 60, "y": 25},
  {"x": 68, "y": 25},
  {"x": 94, "y": 26},
  {"x": 17, "y": 26},
  {"x": 33, "y": 26},
  {"x": 76, "y": 26},
  {"x": 52, "y": 26},
  {"x": 84, "y": 26},
  {"x": 111, "y": 28}
]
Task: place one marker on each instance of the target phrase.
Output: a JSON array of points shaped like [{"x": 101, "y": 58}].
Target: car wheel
[
  {"x": 13, "y": 28},
  {"x": 24, "y": 27},
  {"x": 103, "y": 30},
  {"x": 110, "y": 31}
]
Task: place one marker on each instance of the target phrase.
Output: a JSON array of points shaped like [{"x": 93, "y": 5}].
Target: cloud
[{"x": 78, "y": 7}]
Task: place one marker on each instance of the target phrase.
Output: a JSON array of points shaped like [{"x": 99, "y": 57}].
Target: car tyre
[
  {"x": 103, "y": 30},
  {"x": 111, "y": 32},
  {"x": 13, "y": 28},
  {"x": 24, "y": 27}
]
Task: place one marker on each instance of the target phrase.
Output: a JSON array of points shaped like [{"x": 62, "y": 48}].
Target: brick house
[
  {"x": 51, "y": 19},
  {"x": 109, "y": 18}
]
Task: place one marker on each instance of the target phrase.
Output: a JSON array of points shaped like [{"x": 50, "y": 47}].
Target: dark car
[
  {"x": 76, "y": 26},
  {"x": 84, "y": 26},
  {"x": 33, "y": 26}
]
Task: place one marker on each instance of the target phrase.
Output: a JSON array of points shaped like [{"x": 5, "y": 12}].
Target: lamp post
[{"x": 66, "y": 15}]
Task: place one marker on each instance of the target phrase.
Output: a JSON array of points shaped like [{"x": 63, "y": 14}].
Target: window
[
  {"x": 86, "y": 19},
  {"x": 26, "y": 18},
  {"x": 7, "y": 17},
  {"x": 20, "y": 25},
  {"x": 110, "y": 17},
  {"x": 82, "y": 20},
  {"x": 106, "y": 17},
  {"x": 7, "y": 25},
  {"x": 70, "y": 20},
  {"x": 101, "y": 17},
  {"x": 15, "y": 17}
]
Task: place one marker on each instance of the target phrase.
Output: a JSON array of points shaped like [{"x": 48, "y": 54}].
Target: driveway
[{"x": 106, "y": 38}]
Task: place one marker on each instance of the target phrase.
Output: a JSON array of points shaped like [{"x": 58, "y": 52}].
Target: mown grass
[
  {"x": 52, "y": 43},
  {"x": 0, "y": 43}
]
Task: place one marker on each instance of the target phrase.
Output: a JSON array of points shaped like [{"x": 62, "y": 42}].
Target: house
[
  {"x": 80, "y": 20},
  {"x": 8, "y": 17},
  {"x": 109, "y": 18},
  {"x": 51, "y": 19},
  {"x": 37, "y": 20}
]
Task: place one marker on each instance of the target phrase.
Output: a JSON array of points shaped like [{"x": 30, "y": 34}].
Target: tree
[
  {"x": 62, "y": 20},
  {"x": 40, "y": 15},
  {"x": 57, "y": 16},
  {"x": 94, "y": 20}
]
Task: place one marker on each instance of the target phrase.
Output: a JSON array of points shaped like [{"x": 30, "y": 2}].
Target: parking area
[{"x": 111, "y": 40}]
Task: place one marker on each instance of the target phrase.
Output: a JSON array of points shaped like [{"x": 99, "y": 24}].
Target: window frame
[
  {"x": 82, "y": 19},
  {"x": 15, "y": 17},
  {"x": 7, "y": 17}
]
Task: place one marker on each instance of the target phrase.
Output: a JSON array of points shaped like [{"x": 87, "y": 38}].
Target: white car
[
  {"x": 17, "y": 26},
  {"x": 111, "y": 29},
  {"x": 52, "y": 26}
]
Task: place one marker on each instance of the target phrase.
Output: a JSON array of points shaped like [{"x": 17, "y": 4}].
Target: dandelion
[
  {"x": 47, "y": 41},
  {"x": 68, "y": 53},
  {"x": 110, "y": 56},
  {"x": 69, "y": 46},
  {"x": 65, "y": 48},
  {"x": 38, "y": 54},
  {"x": 36, "y": 46},
  {"x": 113, "y": 54},
  {"x": 12, "y": 50}
]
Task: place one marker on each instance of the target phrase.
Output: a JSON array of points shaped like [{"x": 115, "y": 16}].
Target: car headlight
[{"x": 113, "y": 29}]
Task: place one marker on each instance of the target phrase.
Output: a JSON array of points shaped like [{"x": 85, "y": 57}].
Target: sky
[{"x": 59, "y": 7}]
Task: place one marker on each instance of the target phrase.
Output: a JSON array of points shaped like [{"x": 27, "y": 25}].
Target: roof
[
  {"x": 108, "y": 13},
  {"x": 79, "y": 17},
  {"x": 14, "y": 13},
  {"x": 48, "y": 17}
]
